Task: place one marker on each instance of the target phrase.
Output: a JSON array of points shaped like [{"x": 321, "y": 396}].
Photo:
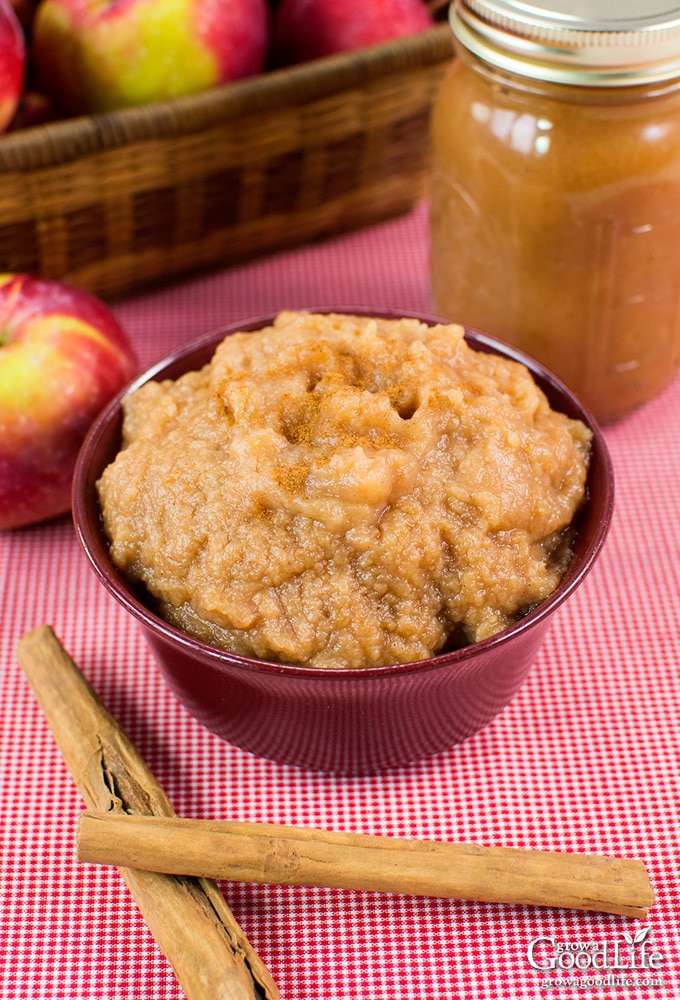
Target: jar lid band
[{"x": 578, "y": 42}]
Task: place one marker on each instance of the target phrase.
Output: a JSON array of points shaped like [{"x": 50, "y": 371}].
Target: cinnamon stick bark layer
[
  {"x": 266, "y": 853},
  {"x": 188, "y": 916}
]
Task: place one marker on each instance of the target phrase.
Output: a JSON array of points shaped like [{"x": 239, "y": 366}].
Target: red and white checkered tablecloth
[{"x": 585, "y": 758}]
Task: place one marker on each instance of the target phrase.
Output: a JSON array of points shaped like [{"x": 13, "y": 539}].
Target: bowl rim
[{"x": 92, "y": 539}]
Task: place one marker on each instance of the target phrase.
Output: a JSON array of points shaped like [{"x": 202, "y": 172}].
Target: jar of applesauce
[{"x": 555, "y": 198}]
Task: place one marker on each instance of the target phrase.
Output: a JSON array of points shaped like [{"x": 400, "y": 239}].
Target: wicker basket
[{"x": 116, "y": 202}]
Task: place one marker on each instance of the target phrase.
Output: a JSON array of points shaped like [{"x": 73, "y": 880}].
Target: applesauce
[
  {"x": 343, "y": 491},
  {"x": 555, "y": 199}
]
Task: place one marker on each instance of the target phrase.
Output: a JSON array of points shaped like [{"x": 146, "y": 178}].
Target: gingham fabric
[{"x": 585, "y": 758}]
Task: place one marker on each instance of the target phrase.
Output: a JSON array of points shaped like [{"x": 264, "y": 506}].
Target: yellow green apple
[
  {"x": 101, "y": 55},
  {"x": 63, "y": 356}
]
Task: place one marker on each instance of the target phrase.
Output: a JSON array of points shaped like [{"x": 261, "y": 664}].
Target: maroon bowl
[{"x": 345, "y": 720}]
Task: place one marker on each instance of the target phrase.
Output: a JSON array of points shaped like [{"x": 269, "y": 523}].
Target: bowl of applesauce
[{"x": 344, "y": 534}]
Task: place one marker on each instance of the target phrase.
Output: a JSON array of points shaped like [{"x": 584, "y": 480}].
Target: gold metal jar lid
[{"x": 603, "y": 43}]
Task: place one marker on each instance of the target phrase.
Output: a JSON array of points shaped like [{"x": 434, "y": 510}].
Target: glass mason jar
[{"x": 555, "y": 199}]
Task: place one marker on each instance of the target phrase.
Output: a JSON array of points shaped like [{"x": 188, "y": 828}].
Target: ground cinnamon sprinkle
[{"x": 293, "y": 478}]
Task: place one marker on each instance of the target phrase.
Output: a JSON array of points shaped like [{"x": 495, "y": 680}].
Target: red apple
[
  {"x": 99, "y": 55},
  {"x": 35, "y": 108},
  {"x": 63, "y": 356},
  {"x": 308, "y": 29},
  {"x": 12, "y": 63},
  {"x": 25, "y": 12}
]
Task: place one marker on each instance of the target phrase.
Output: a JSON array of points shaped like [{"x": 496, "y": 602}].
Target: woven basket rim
[{"x": 63, "y": 141}]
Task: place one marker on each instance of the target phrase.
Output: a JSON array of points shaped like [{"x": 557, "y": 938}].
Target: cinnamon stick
[
  {"x": 187, "y": 916},
  {"x": 286, "y": 855}
]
